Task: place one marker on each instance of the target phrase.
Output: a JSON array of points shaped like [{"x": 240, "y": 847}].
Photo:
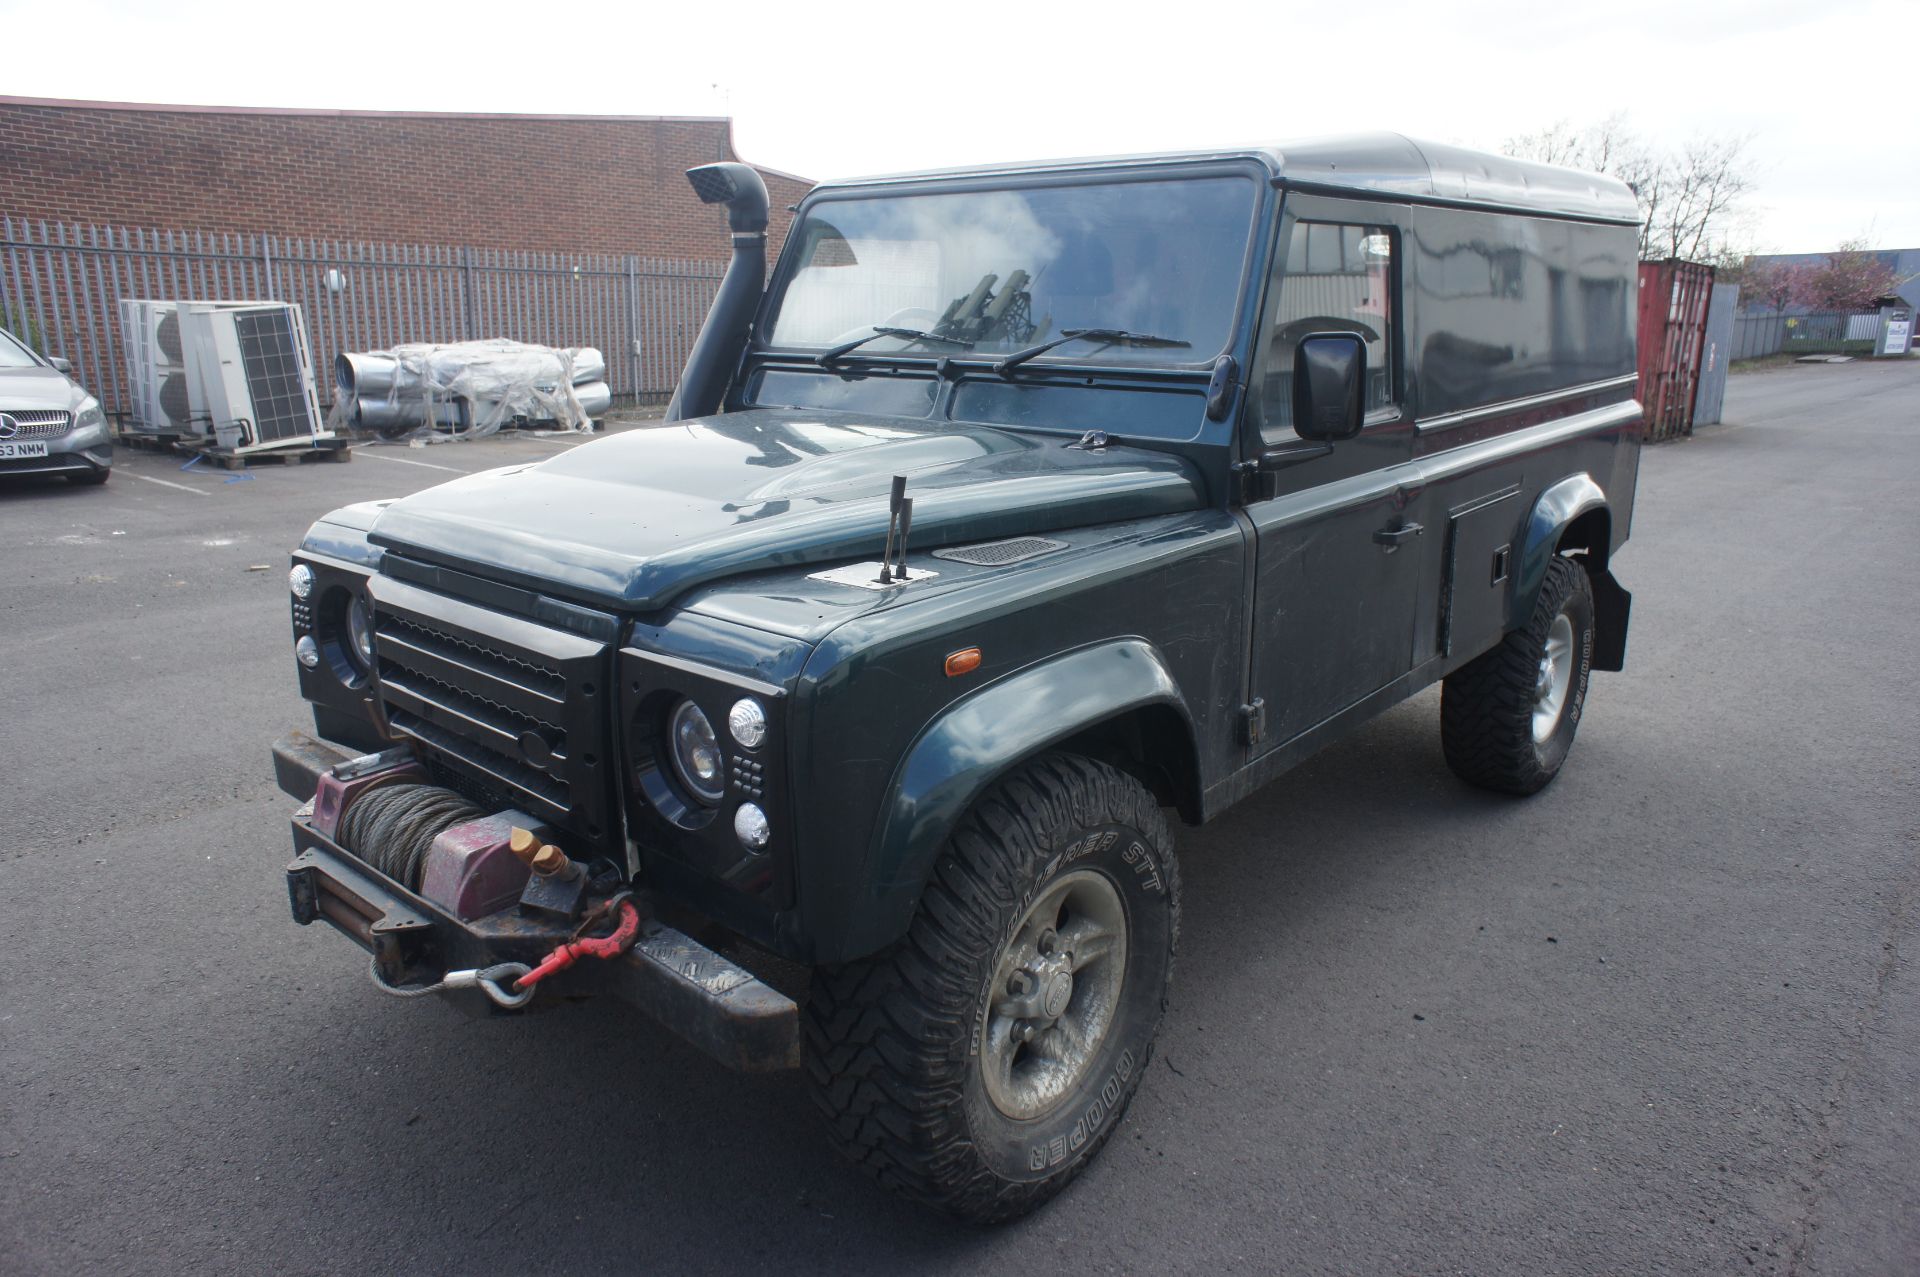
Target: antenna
[
  {"x": 895, "y": 503},
  {"x": 906, "y": 522}
]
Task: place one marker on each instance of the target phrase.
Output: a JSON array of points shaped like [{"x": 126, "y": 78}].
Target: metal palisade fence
[
  {"x": 61, "y": 286},
  {"x": 1757, "y": 334}
]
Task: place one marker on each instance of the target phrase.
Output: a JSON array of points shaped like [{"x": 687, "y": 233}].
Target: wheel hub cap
[
  {"x": 1056, "y": 990},
  {"x": 1059, "y": 993}
]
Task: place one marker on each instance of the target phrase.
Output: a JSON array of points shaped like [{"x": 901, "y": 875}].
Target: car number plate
[{"x": 9, "y": 451}]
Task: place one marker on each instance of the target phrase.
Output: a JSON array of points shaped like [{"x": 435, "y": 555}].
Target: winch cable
[
  {"x": 392, "y": 827},
  {"x": 491, "y": 981}
]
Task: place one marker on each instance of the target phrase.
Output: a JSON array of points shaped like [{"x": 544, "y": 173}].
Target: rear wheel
[
  {"x": 982, "y": 1062},
  {"x": 1508, "y": 718}
]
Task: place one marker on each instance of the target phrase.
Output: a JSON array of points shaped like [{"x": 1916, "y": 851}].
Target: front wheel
[
  {"x": 1507, "y": 718},
  {"x": 980, "y": 1064}
]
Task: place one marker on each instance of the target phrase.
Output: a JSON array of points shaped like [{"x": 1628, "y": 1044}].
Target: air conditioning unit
[
  {"x": 156, "y": 366},
  {"x": 168, "y": 398},
  {"x": 250, "y": 374}
]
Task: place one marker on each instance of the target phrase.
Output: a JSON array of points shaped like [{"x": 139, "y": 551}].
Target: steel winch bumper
[{"x": 705, "y": 997}]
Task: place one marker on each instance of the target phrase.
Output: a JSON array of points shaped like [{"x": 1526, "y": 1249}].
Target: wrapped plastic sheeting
[
  {"x": 468, "y": 389},
  {"x": 589, "y": 365},
  {"x": 595, "y": 398}
]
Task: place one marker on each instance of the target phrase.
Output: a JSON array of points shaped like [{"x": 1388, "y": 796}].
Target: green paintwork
[
  {"x": 1557, "y": 507},
  {"x": 633, "y": 521},
  {"x": 966, "y": 749}
]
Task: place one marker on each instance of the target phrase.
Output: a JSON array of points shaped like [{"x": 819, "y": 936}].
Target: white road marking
[
  {"x": 166, "y": 483},
  {"x": 402, "y": 461}
]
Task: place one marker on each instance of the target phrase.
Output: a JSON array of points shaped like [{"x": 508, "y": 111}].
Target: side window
[{"x": 1335, "y": 278}]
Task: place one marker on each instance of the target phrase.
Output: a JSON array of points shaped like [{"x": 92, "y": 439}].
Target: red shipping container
[{"x": 1673, "y": 331}]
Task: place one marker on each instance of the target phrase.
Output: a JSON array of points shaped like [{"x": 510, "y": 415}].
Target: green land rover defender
[{"x": 839, "y": 721}]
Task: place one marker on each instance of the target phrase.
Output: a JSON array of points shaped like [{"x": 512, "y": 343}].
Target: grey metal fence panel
[
  {"x": 61, "y": 285},
  {"x": 1716, "y": 352},
  {"x": 1756, "y": 336}
]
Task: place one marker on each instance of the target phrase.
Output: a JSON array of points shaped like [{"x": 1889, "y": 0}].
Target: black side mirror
[{"x": 1329, "y": 375}]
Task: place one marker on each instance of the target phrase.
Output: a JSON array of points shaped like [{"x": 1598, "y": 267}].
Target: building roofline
[
  {"x": 166, "y": 108},
  {"x": 304, "y": 112},
  {"x": 763, "y": 168}
]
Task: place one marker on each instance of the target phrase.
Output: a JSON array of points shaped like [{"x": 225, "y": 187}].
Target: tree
[
  {"x": 1852, "y": 278},
  {"x": 1690, "y": 199},
  {"x": 1763, "y": 283}
]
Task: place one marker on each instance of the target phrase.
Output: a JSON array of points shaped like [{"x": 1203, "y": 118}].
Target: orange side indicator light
[{"x": 964, "y": 661}]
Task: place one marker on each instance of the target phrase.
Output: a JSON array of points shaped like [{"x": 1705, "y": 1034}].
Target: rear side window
[{"x": 1337, "y": 278}]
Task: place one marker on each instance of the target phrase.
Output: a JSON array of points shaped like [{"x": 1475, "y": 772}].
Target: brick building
[
  {"x": 561, "y": 229},
  {"x": 608, "y": 184}
]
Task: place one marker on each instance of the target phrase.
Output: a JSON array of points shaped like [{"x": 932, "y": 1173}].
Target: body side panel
[{"x": 874, "y": 687}]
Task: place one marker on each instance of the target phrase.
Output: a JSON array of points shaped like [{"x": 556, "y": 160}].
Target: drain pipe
[{"x": 703, "y": 383}]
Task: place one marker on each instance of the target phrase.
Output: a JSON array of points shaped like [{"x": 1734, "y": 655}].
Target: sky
[{"x": 838, "y": 90}]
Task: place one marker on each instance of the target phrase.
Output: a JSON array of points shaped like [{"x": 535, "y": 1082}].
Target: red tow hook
[{"x": 588, "y": 947}]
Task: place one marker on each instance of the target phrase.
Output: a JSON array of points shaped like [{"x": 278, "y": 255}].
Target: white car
[{"x": 48, "y": 423}]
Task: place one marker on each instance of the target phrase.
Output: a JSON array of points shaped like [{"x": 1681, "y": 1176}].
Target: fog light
[
  {"x": 750, "y": 825},
  {"x": 300, "y": 580},
  {"x": 308, "y": 651},
  {"x": 748, "y": 722}
]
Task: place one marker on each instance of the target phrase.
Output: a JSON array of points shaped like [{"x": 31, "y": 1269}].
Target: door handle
[{"x": 1392, "y": 537}]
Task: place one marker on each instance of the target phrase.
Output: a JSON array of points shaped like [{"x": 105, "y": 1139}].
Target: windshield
[
  {"x": 13, "y": 354},
  {"x": 1005, "y": 270}
]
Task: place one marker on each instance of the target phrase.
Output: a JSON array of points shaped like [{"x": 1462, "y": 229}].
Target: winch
[{"x": 506, "y": 866}]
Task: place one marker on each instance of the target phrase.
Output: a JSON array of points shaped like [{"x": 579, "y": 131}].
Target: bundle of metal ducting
[{"x": 470, "y": 388}]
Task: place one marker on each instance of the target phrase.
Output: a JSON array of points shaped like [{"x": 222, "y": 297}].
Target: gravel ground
[{"x": 1664, "y": 1017}]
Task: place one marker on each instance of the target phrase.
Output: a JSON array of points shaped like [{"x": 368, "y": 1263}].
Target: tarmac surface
[{"x": 1664, "y": 1017}]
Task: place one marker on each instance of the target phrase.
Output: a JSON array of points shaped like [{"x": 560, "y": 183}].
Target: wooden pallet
[
  {"x": 142, "y": 442},
  {"x": 325, "y": 450}
]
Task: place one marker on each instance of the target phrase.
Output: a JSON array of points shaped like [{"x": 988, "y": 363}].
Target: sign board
[{"x": 1896, "y": 335}]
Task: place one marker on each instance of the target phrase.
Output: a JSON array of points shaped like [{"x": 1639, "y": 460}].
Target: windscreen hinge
[{"x": 1249, "y": 483}]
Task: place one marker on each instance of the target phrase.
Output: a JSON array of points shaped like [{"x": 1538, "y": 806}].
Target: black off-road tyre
[
  {"x": 894, "y": 1043},
  {"x": 1487, "y": 706}
]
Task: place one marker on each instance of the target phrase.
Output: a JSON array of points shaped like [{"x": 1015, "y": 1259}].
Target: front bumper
[
  {"x": 706, "y": 998},
  {"x": 72, "y": 460}
]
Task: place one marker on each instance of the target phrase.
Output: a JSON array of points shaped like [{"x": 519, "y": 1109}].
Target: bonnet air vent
[{"x": 994, "y": 554}]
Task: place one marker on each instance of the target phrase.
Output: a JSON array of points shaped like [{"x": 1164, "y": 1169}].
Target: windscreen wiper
[
  {"x": 1105, "y": 336},
  {"x": 905, "y": 334}
]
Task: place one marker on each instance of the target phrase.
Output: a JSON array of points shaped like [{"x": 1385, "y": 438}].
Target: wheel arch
[
  {"x": 1116, "y": 701},
  {"x": 1574, "y": 515}
]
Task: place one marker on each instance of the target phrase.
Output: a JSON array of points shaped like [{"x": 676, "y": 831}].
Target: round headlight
[
  {"x": 307, "y": 651},
  {"x": 750, "y": 826},
  {"x": 360, "y": 631},
  {"x": 300, "y": 580},
  {"x": 696, "y": 753},
  {"x": 748, "y": 722}
]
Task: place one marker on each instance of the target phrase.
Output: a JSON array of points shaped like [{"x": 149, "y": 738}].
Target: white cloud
[{"x": 834, "y": 90}]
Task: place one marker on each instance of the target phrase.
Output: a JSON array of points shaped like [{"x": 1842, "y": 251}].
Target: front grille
[
  {"x": 512, "y": 666},
  {"x": 38, "y": 423},
  {"x": 519, "y": 720}
]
